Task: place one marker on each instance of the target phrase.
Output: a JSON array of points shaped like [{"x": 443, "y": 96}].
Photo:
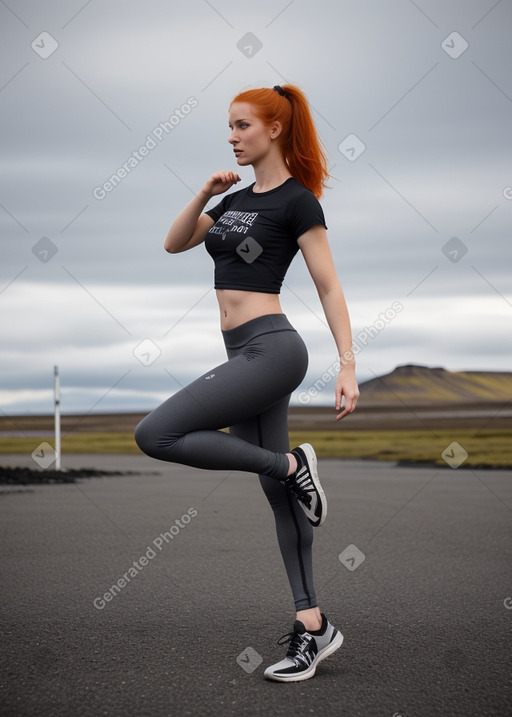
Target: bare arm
[
  {"x": 317, "y": 255},
  {"x": 191, "y": 226}
]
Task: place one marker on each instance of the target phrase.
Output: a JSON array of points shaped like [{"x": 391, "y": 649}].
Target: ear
[{"x": 275, "y": 129}]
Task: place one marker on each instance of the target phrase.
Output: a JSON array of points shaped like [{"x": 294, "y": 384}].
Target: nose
[{"x": 233, "y": 137}]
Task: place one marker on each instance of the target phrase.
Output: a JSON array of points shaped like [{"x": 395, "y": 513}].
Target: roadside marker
[{"x": 57, "y": 417}]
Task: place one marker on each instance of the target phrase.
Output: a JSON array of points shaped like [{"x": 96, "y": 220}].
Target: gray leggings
[{"x": 249, "y": 393}]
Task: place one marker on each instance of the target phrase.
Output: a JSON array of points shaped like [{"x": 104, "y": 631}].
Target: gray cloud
[{"x": 436, "y": 165}]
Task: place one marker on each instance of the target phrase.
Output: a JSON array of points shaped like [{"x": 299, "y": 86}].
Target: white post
[{"x": 57, "y": 418}]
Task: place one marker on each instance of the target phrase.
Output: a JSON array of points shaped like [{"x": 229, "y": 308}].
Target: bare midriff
[{"x": 237, "y": 307}]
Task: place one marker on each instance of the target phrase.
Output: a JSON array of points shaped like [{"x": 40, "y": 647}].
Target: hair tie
[{"x": 280, "y": 90}]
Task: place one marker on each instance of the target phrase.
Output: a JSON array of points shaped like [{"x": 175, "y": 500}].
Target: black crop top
[{"x": 254, "y": 238}]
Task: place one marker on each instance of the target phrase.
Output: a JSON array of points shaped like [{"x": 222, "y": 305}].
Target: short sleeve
[
  {"x": 218, "y": 210},
  {"x": 306, "y": 212}
]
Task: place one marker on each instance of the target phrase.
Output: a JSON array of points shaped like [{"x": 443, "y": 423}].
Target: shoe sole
[
  {"x": 310, "y": 454},
  {"x": 328, "y": 650}
]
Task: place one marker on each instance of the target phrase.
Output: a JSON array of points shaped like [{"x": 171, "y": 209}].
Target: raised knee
[
  {"x": 152, "y": 442},
  {"x": 145, "y": 438}
]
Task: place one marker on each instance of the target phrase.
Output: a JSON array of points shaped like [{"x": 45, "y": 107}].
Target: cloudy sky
[{"x": 413, "y": 101}]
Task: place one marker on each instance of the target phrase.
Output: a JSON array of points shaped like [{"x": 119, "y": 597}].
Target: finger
[
  {"x": 344, "y": 413},
  {"x": 338, "y": 401},
  {"x": 350, "y": 406},
  {"x": 342, "y": 409},
  {"x": 339, "y": 397}
]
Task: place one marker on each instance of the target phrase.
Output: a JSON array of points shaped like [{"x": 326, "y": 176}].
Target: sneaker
[
  {"x": 305, "y": 485},
  {"x": 305, "y": 651}
]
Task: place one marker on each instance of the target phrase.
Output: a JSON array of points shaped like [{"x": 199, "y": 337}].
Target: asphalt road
[{"x": 426, "y": 614}]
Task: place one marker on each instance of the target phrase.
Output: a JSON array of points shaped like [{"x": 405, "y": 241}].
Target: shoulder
[
  {"x": 297, "y": 190},
  {"x": 300, "y": 198},
  {"x": 303, "y": 210}
]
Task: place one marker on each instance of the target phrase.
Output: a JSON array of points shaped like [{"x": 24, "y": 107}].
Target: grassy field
[{"x": 488, "y": 447}]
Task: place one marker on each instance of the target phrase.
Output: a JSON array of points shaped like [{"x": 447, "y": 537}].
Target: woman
[{"x": 252, "y": 236}]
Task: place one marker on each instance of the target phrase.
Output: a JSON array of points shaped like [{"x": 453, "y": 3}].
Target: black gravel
[{"x": 21, "y": 475}]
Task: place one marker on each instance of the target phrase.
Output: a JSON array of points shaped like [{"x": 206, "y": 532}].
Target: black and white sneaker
[
  {"x": 305, "y": 485},
  {"x": 305, "y": 651}
]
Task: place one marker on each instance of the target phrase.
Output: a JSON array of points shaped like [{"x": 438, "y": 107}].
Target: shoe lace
[
  {"x": 301, "y": 493},
  {"x": 297, "y": 643}
]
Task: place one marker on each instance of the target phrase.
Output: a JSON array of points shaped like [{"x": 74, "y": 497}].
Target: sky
[{"x": 413, "y": 102}]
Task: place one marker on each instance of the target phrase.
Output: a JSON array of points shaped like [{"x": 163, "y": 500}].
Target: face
[{"x": 250, "y": 137}]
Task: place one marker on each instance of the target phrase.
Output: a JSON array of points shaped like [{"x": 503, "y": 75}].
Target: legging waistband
[{"x": 269, "y": 323}]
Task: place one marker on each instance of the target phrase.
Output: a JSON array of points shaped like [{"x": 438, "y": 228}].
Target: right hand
[{"x": 220, "y": 182}]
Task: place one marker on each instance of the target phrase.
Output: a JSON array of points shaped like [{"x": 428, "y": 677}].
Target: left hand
[{"x": 346, "y": 386}]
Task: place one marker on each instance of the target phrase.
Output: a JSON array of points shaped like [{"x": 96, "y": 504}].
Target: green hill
[{"x": 421, "y": 385}]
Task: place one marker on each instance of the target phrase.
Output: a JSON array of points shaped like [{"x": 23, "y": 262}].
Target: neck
[{"x": 270, "y": 173}]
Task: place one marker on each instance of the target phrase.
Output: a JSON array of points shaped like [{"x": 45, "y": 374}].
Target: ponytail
[{"x": 302, "y": 148}]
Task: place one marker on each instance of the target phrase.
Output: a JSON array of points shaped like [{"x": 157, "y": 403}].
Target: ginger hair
[{"x": 302, "y": 148}]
